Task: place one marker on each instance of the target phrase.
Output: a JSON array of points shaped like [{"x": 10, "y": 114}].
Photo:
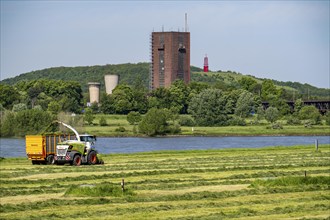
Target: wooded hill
[{"x": 131, "y": 73}]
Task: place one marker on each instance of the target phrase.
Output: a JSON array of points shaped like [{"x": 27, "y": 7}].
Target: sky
[{"x": 282, "y": 40}]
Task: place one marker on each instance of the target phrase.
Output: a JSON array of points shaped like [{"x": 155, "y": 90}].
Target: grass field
[
  {"x": 266, "y": 183},
  {"x": 116, "y": 121}
]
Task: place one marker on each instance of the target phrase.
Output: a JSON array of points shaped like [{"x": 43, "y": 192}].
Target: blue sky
[{"x": 282, "y": 40}]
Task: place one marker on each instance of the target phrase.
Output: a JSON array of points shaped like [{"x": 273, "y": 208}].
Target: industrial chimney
[{"x": 206, "y": 63}]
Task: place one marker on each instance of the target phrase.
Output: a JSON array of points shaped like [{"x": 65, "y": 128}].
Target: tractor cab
[{"x": 88, "y": 138}]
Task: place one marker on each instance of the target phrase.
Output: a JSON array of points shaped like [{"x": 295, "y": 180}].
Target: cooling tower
[
  {"x": 111, "y": 81},
  {"x": 94, "y": 92}
]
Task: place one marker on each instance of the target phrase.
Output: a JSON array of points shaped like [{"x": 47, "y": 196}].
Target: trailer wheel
[
  {"x": 34, "y": 162},
  {"x": 77, "y": 160},
  {"x": 50, "y": 159},
  {"x": 92, "y": 158}
]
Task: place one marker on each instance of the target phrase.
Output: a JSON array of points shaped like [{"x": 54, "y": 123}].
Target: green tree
[
  {"x": 232, "y": 97},
  {"x": 67, "y": 93},
  {"x": 280, "y": 104},
  {"x": 31, "y": 121},
  {"x": 95, "y": 107},
  {"x": 89, "y": 116},
  {"x": 107, "y": 104},
  {"x": 8, "y": 96},
  {"x": 310, "y": 112},
  {"x": 260, "y": 112},
  {"x": 7, "y": 124},
  {"x": 272, "y": 114},
  {"x": 123, "y": 99},
  {"x": 197, "y": 87},
  {"x": 154, "y": 122},
  {"x": 245, "y": 104},
  {"x": 298, "y": 104},
  {"x": 268, "y": 89},
  {"x": 54, "y": 107},
  {"x": 160, "y": 98},
  {"x": 247, "y": 83},
  {"x": 34, "y": 91},
  {"x": 140, "y": 92},
  {"x": 43, "y": 100},
  {"x": 134, "y": 118},
  {"x": 179, "y": 93},
  {"x": 210, "y": 108},
  {"x": 19, "y": 107},
  {"x": 37, "y": 107}
]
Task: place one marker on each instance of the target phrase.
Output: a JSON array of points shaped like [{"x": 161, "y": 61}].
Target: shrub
[
  {"x": 310, "y": 113},
  {"x": 308, "y": 123},
  {"x": 327, "y": 118},
  {"x": 120, "y": 129},
  {"x": 103, "y": 121},
  {"x": 174, "y": 128},
  {"x": 134, "y": 118},
  {"x": 186, "y": 120},
  {"x": 271, "y": 114},
  {"x": 89, "y": 116},
  {"x": 155, "y": 122},
  {"x": 291, "y": 120},
  {"x": 277, "y": 126},
  {"x": 235, "y": 120}
]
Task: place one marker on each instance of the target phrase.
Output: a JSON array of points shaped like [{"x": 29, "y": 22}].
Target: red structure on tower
[{"x": 206, "y": 63}]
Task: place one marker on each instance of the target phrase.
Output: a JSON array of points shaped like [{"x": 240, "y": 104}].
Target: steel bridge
[{"x": 322, "y": 105}]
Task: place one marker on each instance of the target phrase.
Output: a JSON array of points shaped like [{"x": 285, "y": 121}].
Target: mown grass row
[{"x": 268, "y": 183}]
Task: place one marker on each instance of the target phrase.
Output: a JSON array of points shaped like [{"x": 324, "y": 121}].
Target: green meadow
[{"x": 264, "y": 183}]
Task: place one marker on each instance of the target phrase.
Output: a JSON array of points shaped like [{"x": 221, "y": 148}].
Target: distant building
[
  {"x": 206, "y": 64},
  {"x": 170, "y": 58}
]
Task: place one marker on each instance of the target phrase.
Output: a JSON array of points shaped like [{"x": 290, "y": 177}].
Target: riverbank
[
  {"x": 118, "y": 126},
  {"x": 263, "y": 183},
  {"x": 249, "y": 130}
]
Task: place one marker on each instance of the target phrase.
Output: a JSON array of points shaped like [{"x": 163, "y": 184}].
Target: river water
[{"x": 10, "y": 147}]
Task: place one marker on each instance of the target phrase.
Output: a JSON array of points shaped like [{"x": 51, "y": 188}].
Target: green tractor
[{"x": 77, "y": 152}]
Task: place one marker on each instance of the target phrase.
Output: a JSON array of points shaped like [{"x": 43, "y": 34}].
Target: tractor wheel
[
  {"x": 77, "y": 160},
  {"x": 50, "y": 159},
  {"x": 92, "y": 158}
]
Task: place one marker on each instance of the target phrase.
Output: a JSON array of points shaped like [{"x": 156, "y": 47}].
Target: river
[{"x": 12, "y": 147}]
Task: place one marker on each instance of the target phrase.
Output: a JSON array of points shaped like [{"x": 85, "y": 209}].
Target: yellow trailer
[{"x": 41, "y": 149}]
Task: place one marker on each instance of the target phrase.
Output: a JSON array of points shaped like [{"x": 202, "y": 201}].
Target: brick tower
[{"x": 170, "y": 58}]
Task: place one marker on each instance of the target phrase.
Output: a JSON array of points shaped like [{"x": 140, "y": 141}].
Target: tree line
[
  {"x": 129, "y": 72},
  {"x": 29, "y": 105}
]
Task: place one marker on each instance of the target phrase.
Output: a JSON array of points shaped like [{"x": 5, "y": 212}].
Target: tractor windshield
[{"x": 88, "y": 138}]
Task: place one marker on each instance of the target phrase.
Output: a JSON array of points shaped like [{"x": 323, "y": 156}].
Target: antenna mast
[{"x": 186, "y": 23}]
